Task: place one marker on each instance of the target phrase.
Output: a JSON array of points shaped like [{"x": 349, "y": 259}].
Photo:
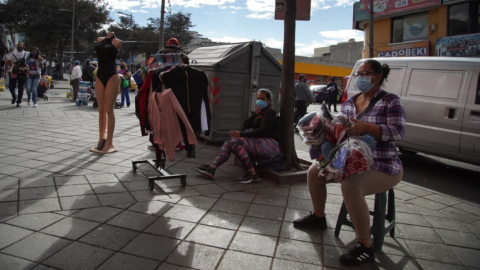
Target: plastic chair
[{"x": 379, "y": 213}]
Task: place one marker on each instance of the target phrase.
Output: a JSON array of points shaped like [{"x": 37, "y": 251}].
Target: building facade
[{"x": 421, "y": 27}]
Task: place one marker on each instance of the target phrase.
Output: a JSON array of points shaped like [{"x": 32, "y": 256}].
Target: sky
[{"x": 246, "y": 20}]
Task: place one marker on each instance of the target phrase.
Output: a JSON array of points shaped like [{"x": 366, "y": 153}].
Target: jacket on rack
[
  {"x": 141, "y": 109},
  {"x": 163, "y": 109}
]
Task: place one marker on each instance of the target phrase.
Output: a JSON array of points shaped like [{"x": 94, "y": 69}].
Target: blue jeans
[
  {"x": 125, "y": 95},
  {"x": 32, "y": 85}
]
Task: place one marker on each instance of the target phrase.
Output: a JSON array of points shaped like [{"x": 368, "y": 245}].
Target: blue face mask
[
  {"x": 364, "y": 84},
  {"x": 262, "y": 104}
]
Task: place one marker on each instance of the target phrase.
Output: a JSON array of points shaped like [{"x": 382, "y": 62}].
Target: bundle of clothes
[{"x": 336, "y": 153}]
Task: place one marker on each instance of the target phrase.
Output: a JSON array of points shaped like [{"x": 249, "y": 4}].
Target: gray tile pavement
[{"x": 66, "y": 208}]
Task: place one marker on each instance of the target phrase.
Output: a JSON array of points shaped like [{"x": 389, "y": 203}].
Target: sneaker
[
  {"x": 18, "y": 105},
  {"x": 358, "y": 255},
  {"x": 249, "y": 178},
  {"x": 206, "y": 170},
  {"x": 35, "y": 105},
  {"x": 179, "y": 147},
  {"x": 311, "y": 221},
  {"x": 14, "y": 99},
  {"x": 151, "y": 147}
]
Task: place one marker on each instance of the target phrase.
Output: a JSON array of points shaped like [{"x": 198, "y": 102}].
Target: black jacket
[{"x": 265, "y": 125}]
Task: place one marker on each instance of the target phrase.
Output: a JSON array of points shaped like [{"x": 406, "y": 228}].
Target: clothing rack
[
  {"x": 159, "y": 167},
  {"x": 168, "y": 58}
]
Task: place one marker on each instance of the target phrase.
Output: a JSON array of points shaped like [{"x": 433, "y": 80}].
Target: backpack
[{"x": 20, "y": 66}]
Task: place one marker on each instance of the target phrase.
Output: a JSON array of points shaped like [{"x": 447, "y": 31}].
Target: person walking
[
  {"x": 123, "y": 68},
  {"x": 18, "y": 74},
  {"x": 75, "y": 79},
  {"x": 125, "y": 88},
  {"x": 303, "y": 96},
  {"x": 35, "y": 65},
  {"x": 332, "y": 94}
]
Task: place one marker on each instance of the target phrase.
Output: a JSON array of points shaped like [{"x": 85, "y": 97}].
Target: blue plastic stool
[{"x": 379, "y": 213}]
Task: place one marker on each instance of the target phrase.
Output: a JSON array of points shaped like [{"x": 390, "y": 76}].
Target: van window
[
  {"x": 442, "y": 84},
  {"x": 394, "y": 82}
]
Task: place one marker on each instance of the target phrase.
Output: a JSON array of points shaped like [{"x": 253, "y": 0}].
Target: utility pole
[
  {"x": 73, "y": 29},
  {"x": 370, "y": 45},
  {"x": 162, "y": 17},
  {"x": 130, "y": 38}
]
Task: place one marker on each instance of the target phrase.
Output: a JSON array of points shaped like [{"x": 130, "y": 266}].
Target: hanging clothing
[
  {"x": 141, "y": 109},
  {"x": 163, "y": 109}
]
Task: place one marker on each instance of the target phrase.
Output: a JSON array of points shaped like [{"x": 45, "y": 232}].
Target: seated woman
[
  {"x": 260, "y": 139},
  {"x": 386, "y": 123}
]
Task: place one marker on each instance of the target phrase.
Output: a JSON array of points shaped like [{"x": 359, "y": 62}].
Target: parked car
[
  {"x": 320, "y": 93},
  {"x": 441, "y": 96}
]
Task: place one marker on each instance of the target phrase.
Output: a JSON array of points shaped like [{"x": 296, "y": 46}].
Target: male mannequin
[{"x": 106, "y": 87}]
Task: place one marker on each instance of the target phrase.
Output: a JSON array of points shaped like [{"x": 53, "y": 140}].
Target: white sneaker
[
  {"x": 28, "y": 103},
  {"x": 35, "y": 105}
]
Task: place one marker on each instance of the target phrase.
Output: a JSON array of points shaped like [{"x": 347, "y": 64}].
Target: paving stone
[
  {"x": 432, "y": 252},
  {"x": 222, "y": 220},
  {"x": 447, "y": 223},
  {"x": 472, "y": 209},
  {"x": 79, "y": 256},
  {"x": 151, "y": 246},
  {"x": 33, "y": 173},
  {"x": 419, "y": 233},
  {"x": 211, "y": 236},
  {"x": 136, "y": 185},
  {"x": 132, "y": 220},
  {"x": 70, "y": 228},
  {"x": 473, "y": 228},
  {"x": 35, "y": 221},
  {"x": 391, "y": 262},
  {"x": 461, "y": 239},
  {"x": 8, "y": 209},
  {"x": 12, "y": 169},
  {"x": 66, "y": 212},
  {"x": 264, "y": 211},
  {"x": 469, "y": 257},
  {"x": 299, "y": 251},
  {"x": 8, "y": 184},
  {"x": 98, "y": 214},
  {"x": 401, "y": 207},
  {"x": 275, "y": 191},
  {"x": 270, "y": 200},
  {"x": 10, "y": 234},
  {"x": 405, "y": 196},
  {"x": 427, "y": 204},
  {"x": 209, "y": 189},
  {"x": 239, "y": 196},
  {"x": 442, "y": 199},
  {"x": 109, "y": 237},
  {"x": 198, "y": 201},
  {"x": 261, "y": 226},
  {"x": 108, "y": 188},
  {"x": 344, "y": 239},
  {"x": 167, "y": 266},
  {"x": 74, "y": 190},
  {"x": 155, "y": 208},
  {"x": 279, "y": 264},
  {"x": 293, "y": 214},
  {"x": 185, "y": 213},
  {"x": 132, "y": 176},
  {"x": 301, "y": 234},
  {"x": 231, "y": 207},
  {"x": 121, "y": 261},
  {"x": 78, "y": 202},
  {"x": 149, "y": 195},
  {"x": 36, "y": 247},
  {"x": 412, "y": 219},
  {"x": 195, "y": 256},
  {"x": 102, "y": 178},
  {"x": 116, "y": 198},
  {"x": 415, "y": 190},
  {"x": 244, "y": 242},
  {"x": 13, "y": 263},
  {"x": 38, "y": 206},
  {"x": 171, "y": 228},
  {"x": 395, "y": 246},
  {"x": 36, "y": 182},
  {"x": 299, "y": 204},
  {"x": 70, "y": 180},
  {"x": 37, "y": 193},
  {"x": 301, "y": 194},
  {"x": 238, "y": 260},
  {"x": 8, "y": 195},
  {"x": 460, "y": 215},
  {"x": 332, "y": 255},
  {"x": 428, "y": 265}
]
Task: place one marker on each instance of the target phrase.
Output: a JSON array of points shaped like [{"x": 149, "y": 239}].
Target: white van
[{"x": 441, "y": 96}]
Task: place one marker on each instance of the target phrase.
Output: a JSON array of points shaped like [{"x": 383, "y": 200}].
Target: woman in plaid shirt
[{"x": 386, "y": 122}]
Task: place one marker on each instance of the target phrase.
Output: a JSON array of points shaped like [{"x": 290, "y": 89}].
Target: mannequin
[{"x": 107, "y": 85}]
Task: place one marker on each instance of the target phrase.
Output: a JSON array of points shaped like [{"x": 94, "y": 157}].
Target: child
[{"x": 126, "y": 88}]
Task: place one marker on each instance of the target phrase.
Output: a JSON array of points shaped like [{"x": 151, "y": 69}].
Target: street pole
[
  {"x": 370, "y": 51},
  {"x": 162, "y": 17},
  {"x": 73, "y": 29}
]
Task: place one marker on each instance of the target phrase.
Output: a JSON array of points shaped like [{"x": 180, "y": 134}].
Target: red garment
[
  {"x": 163, "y": 109},
  {"x": 142, "y": 101},
  {"x": 356, "y": 162}
]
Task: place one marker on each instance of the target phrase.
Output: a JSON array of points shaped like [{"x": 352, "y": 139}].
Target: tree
[
  {"x": 47, "y": 24},
  {"x": 177, "y": 26}
]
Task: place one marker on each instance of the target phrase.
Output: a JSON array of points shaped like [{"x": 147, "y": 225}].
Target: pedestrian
[
  {"x": 126, "y": 88},
  {"x": 123, "y": 68},
  {"x": 332, "y": 94},
  {"x": 87, "y": 72},
  {"x": 75, "y": 79},
  {"x": 386, "y": 123},
  {"x": 35, "y": 65},
  {"x": 18, "y": 74},
  {"x": 303, "y": 97}
]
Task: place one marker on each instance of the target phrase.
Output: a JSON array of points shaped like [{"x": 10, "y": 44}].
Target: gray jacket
[{"x": 303, "y": 92}]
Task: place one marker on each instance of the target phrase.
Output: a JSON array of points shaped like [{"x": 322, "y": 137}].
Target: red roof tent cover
[{"x": 303, "y": 10}]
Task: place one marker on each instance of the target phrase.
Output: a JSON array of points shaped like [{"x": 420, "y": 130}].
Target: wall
[
  {"x": 347, "y": 51},
  {"x": 439, "y": 17},
  {"x": 381, "y": 37}
]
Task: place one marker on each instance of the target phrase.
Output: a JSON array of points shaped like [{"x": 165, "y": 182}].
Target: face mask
[
  {"x": 122, "y": 66},
  {"x": 364, "y": 84},
  {"x": 33, "y": 54},
  {"x": 262, "y": 104},
  {"x": 19, "y": 49}
]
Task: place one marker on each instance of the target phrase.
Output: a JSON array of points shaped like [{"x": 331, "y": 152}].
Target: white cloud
[
  {"x": 308, "y": 49},
  {"x": 138, "y": 11},
  {"x": 236, "y": 8},
  {"x": 200, "y": 3},
  {"x": 124, "y": 4},
  {"x": 343, "y": 35},
  {"x": 222, "y": 7},
  {"x": 261, "y": 16},
  {"x": 260, "y": 5},
  {"x": 233, "y": 11},
  {"x": 326, "y": 7},
  {"x": 230, "y": 39}
]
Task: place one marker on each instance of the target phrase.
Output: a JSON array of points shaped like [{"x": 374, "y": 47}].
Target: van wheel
[{"x": 407, "y": 151}]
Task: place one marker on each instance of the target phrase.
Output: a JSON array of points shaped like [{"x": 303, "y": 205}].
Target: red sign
[{"x": 387, "y": 7}]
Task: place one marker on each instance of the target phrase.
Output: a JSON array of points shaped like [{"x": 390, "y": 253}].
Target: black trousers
[
  {"x": 332, "y": 99},
  {"x": 301, "y": 110}
]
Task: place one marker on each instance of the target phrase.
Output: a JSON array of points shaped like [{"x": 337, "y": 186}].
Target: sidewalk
[{"x": 64, "y": 207}]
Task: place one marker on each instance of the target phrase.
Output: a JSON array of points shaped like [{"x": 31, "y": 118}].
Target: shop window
[
  {"x": 464, "y": 19},
  {"x": 410, "y": 28}
]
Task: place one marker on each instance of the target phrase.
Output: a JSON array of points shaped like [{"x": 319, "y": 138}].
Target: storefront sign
[
  {"x": 466, "y": 45},
  {"x": 387, "y": 7},
  {"x": 303, "y": 10},
  {"x": 405, "y": 50}
]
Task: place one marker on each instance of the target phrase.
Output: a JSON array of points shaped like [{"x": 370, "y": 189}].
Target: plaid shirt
[{"x": 389, "y": 114}]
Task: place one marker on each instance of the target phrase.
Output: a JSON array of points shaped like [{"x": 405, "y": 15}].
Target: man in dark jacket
[
  {"x": 303, "y": 97},
  {"x": 88, "y": 72},
  {"x": 332, "y": 94}
]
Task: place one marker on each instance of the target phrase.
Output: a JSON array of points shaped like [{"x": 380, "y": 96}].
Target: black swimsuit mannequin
[{"x": 106, "y": 54}]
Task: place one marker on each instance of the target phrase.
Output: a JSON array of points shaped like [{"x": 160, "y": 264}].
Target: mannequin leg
[
  {"x": 105, "y": 107},
  {"x": 102, "y": 115}
]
